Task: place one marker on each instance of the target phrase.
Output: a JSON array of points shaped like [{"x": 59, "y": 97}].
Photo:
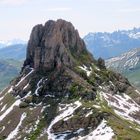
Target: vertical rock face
[{"x": 53, "y": 45}]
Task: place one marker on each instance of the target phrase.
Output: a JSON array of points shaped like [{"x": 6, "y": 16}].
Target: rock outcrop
[{"x": 54, "y": 45}]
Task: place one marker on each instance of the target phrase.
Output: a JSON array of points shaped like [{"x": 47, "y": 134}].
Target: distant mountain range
[
  {"x": 101, "y": 44},
  {"x": 12, "y": 54},
  {"x": 11, "y": 42},
  {"x": 128, "y": 64},
  {"x": 107, "y": 45},
  {"x": 16, "y": 51}
]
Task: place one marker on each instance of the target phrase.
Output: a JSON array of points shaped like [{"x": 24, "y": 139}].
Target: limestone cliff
[{"x": 55, "y": 44}]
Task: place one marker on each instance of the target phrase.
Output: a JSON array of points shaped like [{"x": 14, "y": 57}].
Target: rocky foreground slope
[{"x": 64, "y": 93}]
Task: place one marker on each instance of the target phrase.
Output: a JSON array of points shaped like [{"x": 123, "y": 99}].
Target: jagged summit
[
  {"x": 62, "y": 93},
  {"x": 55, "y": 44}
]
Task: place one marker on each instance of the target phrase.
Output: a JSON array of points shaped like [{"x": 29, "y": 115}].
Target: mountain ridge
[
  {"x": 62, "y": 92},
  {"x": 112, "y": 44},
  {"x": 10, "y": 51}
]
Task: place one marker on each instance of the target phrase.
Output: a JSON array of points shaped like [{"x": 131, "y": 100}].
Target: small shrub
[{"x": 23, "y": 105}]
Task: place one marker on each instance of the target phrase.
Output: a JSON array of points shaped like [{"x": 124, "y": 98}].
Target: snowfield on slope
[
  {"x": 126, "y": 61},
  {"x": 123, "y": 105},
  {"x": 66, "y": 112},
  {"x": 102, "y": 132}
]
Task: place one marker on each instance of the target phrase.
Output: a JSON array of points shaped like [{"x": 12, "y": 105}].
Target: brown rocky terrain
[{"x": 62, "y": 92}]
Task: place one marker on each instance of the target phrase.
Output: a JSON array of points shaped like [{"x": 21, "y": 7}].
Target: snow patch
[
  {"x": 36, "y": 123},
  {"x": 61, "y": 136},
  {"x": 137, "y": 129},
  {"x": 126, "y": 60},
  {"x": 16, "y": 103},
  {"x": 2, "y": 129},
  {"x": 15, "y": 131},
  {"x": 102, "y": 132},
  {"x": 26, "y": 86},
  {"x": 86, "y": 69},
  {"x": 3, "y": 108},
  {"x": 89, "y": 113},
  {"x": 1, "y": 98},
  {"x": 23, "y": 78},
  {"x": 33, "y": 127},
  {"x": 38, "y": 87},
  {"x": 48, "y": 95},
  {"x": 123, "y": 105},
  {"x": 68, "y": 111},
  {"x": 97, "y": 106},
  {"x": 9, "y": 121},
  {"x": 137, "y": 91},
  {"x": 27, "y": 95},
  {"x": 131, "y": 62},
  {"x": 134, "y": 35},
  {"x": 43, "y": 108},
  {"x": 97, "y": 68},
  {"x": 10, "y": 90}
]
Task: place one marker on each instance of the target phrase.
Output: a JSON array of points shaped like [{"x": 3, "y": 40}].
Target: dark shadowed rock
[{"x": 101, "y": 63}]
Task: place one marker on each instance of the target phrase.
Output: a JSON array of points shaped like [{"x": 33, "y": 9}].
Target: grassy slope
[
  {"x": 133, "y": 77},
  {"x": 9, "y": 69},
  {"x": 17, "y": 52},
  {"x": 124, "y": 129}
]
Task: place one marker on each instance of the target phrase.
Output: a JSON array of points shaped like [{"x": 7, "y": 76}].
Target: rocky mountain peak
[
  {"x": 62, "y": 93},
  {"x": 54, "y": 44}
]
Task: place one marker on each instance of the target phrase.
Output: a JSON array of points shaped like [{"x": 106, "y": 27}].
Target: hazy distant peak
[{"x": 11, "y": 42}]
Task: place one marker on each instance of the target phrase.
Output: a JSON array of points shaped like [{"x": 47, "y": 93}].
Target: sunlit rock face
[{"x": 55, "y": 44}]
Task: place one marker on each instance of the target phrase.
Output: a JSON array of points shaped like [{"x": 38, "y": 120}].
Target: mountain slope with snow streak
[
  {"x": 66, "y": 112},
  {"x": 63, "y": 93},
  {"x": 125, "y": 62},
  {"x": 128, "y": 64}
]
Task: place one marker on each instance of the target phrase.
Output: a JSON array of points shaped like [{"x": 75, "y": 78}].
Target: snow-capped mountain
[
  {"x": 125, "y": 62},
  {"x": 63, "y": 93},
  {"x": 128, "y": 64},
  {"x": 108, "y": 45},
  {"x": 12, "y": 42}
]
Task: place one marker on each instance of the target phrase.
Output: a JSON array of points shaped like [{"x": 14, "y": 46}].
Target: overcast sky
[{"x": 17, "y": 17}]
